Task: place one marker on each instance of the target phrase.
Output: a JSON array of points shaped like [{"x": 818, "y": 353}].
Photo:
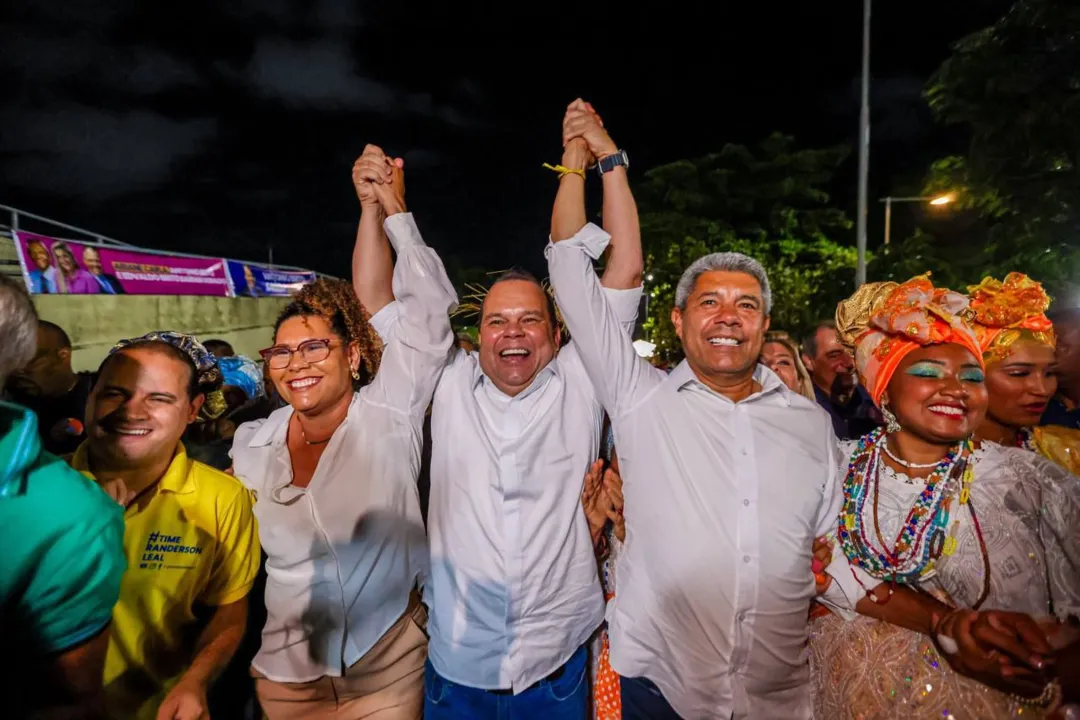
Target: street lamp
[
  {"x": 864, "y": 151},
  {"x": 936, "y": 200}
]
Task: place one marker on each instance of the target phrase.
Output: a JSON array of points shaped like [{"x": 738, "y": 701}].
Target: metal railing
[{"x": 15, "y": 215}]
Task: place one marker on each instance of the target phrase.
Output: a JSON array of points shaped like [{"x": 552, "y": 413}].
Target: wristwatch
[{"x": 613, "y": 161}]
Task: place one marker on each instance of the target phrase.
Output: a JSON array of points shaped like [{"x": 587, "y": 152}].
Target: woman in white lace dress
[{"x": 985, "y": 528}]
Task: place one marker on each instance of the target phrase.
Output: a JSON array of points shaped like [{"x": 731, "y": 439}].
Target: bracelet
[
  {"x": 1050, "y": 695},
  {"x": 564, "y": 171}
]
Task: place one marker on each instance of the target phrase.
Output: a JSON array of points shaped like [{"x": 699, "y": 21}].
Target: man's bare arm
[
  {"x": 568, "y": 213},
  {"x": 75, "y": 682},
  {"x": 216, "y": 645}
]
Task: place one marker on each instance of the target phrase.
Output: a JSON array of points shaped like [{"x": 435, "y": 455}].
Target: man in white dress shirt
[
  {"x": 514, "y": 593},
  {"x": 728, "y": 478}
]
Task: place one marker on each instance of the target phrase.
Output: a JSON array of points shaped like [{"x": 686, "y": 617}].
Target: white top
[
  {"x": 345, "y": 552},
  {"x": 513, "y": 590},
  {"x": 723, "y": 502},
  {"x": 1029, "y": 512}
]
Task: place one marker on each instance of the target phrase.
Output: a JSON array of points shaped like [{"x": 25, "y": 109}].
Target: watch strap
[{"x": 613, "y": 161}]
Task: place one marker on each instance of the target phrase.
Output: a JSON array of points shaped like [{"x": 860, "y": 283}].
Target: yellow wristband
[{"x": 563, "y": 170}]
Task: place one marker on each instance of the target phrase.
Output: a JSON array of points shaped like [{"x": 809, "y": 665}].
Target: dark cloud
[
  {"x": 96, "y": 118},
  {"x": 231, "y": 126},
  {"x": 318, "y": 74},
  {"x": 79, "y": 150}
]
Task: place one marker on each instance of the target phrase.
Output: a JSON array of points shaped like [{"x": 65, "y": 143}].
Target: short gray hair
[
  {"x": 724, "y": 262},
  {"x": 18, "y": 328}
]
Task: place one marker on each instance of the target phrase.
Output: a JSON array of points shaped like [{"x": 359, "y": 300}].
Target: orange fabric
[
  {"x": 886, "y": 321},
  {"x": 607, "y": 694}
]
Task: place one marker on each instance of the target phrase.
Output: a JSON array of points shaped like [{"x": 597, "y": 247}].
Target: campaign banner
[
  {"x": 260, "y": 281},
  {"x": 64, "y": 267}
]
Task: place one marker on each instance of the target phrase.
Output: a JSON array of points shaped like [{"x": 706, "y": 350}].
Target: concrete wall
[{"x": 96, "y": 322}]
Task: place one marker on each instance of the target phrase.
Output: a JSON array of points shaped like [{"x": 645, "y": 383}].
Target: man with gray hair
[
  {"x": 728, "y": 477},
  {"x": 63, "y": 555}
]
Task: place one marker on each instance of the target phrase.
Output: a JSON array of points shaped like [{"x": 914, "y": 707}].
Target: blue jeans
[
  {"x": 642, "y": 700},
  {"x": 563, "y": 698}
]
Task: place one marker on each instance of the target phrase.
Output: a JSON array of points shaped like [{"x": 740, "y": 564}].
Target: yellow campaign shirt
[{"x": 194, "y": 543}]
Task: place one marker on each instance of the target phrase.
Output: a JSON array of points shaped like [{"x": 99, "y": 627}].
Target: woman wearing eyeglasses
[{"x": 334, "y": 475}]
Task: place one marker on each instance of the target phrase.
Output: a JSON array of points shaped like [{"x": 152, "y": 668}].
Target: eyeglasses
[{"x": 280, "y": 357}]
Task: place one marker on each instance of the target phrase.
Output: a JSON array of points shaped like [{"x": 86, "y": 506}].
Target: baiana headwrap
[
  {"x": 885, "y": 321},
  {"x": 207, "y": 374},
  {"x": 1006, "y": 311}
]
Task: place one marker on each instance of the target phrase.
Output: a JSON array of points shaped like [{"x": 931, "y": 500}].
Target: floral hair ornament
[
  {"x": 883, "y": 322},
  {"x": 207, "y": 374},
  {"x": 1005, "y": 312}
]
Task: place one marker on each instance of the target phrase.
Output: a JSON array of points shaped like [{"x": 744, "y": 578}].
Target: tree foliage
[
  {"x": 768, "y": 203},
  {"x": 1015, "y": 86}
]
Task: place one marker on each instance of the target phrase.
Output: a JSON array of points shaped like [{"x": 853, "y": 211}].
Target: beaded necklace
[
  {"x": 1025, "y": 439},
  {"x": 925, "y": 534}
]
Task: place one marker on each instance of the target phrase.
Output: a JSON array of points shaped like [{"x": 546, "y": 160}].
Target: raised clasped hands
[
  {"x": 1005, "y": 650},
  {"x": 602, "y": 500},
  {"x": 379, "y": 181},
  {"x": 583, "y": 135}
]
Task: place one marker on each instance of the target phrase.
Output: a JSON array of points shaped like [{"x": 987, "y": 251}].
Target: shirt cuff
[
  {"x": 591, "y": 238},
  {"x": 625, "y": 303},
  {"x": 384, "y": 320},
  {"x": 402, "y": 231}
]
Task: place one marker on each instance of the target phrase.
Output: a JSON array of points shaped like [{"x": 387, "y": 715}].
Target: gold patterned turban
[{"x": 1005, "y": 312}]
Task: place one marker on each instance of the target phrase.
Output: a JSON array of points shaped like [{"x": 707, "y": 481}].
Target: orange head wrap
[
  {"x": 1006, "y": 311},
  {"x": 884, "y": 322}
]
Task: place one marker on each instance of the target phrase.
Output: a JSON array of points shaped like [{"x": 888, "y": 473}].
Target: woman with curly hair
[{"x": 334, "y": 475}]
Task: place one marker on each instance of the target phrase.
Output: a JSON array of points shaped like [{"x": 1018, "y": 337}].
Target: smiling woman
[
  {"x": 335, "y": 480},
  {"x": 1018, "y": 345},
  {"x": 972, "y": 527}
]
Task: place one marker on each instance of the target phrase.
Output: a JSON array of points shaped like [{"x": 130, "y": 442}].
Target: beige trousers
[{"x": 387, "y": 683}]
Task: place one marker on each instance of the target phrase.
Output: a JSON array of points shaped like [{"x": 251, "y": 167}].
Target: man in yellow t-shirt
[{"x": 190, "y": 535}]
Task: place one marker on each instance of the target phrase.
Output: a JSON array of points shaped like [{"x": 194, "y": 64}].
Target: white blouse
[
  {"x": 1029, "y": 511},
  {"x": 345, "y": 552}
]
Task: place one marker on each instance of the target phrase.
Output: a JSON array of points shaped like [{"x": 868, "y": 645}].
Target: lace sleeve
[{"x": 1059, "y": 527}]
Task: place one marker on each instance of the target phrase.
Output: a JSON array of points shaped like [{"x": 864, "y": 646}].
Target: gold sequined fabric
[
  {"x": 1007, "y": 311},
  {"x": 866, "y": 669},
  {"x": 1058, "y": 444}
]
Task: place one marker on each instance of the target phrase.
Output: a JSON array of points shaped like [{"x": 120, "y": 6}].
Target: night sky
[{"x": 227, "y": 127}]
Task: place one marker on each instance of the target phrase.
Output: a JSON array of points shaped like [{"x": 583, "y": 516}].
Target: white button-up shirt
[
  {"x": 345, "y": 552},
  {"x": 723, "y": 502},
  {"x": 514, "y": 589}
]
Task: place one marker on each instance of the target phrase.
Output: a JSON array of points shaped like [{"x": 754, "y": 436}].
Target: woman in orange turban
[
  {"x": 925, "y": 510},
  {"x": 1017, "y": 342}
]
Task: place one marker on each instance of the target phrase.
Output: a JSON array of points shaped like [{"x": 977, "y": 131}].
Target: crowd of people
[{"x": 878, "y": 520}]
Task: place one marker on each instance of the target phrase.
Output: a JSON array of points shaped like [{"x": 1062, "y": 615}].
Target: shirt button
[
  {"x": 745, "y": 451},
  {"x": 746, "y": 558},
  {"x": 746, "y": 503}
]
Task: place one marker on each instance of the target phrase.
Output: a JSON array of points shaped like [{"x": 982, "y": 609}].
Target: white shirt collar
[
  {"x": 548, "y": 371},
  {"x": 771, "y": 385}
]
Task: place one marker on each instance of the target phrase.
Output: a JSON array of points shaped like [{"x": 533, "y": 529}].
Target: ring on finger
[{"x": 947, "y": 644}]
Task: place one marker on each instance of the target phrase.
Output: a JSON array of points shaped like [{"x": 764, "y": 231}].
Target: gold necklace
[{"x": 303, "y": 436}]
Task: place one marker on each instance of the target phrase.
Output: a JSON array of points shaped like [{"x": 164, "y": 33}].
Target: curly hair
[{"x": 335, "y": 301}]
